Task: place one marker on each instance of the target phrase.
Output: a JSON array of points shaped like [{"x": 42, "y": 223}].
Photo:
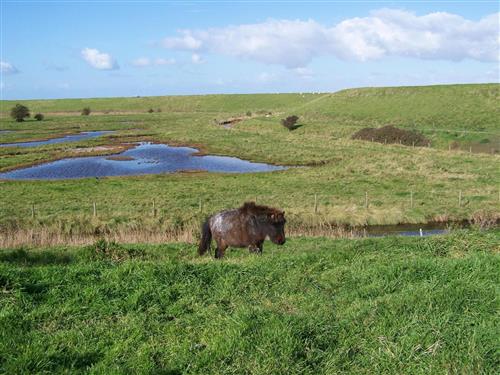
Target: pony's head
[
  {"x": 272, "y": 219},
  {"x": 277, "y": 227}
]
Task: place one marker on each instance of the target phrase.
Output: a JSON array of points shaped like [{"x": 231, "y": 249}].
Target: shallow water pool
[
  {"x": 67, "y": 138},
  {"x": 145, "y": 158}
]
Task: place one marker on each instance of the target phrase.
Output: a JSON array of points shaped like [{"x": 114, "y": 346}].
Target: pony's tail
[{"x": 206, "y": 238}]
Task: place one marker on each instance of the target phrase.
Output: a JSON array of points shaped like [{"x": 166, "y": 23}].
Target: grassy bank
[
  {"x": 403, "y": 184},
  {"x": 391, "y": 305}
]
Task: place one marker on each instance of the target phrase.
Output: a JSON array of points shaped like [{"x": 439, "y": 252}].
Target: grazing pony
[{"x": 247, "y": 226}]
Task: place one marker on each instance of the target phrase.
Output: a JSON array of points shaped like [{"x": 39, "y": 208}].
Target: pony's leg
[
  {"x": 256, "y": 248},
  {"x": 219, "y": 251},
  {"x": 253, "y": 248},
  {"x": 259, "y": 246}
]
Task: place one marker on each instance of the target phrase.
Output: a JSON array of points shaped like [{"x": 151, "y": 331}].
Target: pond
[
  {"x": 67, "y": 138},
  {"x": 145, "y": 158}
]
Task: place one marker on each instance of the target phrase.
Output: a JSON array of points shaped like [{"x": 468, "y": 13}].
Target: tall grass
[{"x": 313, "y": 306}]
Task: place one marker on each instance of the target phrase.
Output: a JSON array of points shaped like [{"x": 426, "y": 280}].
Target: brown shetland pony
[{"x": 247, "y": 226}]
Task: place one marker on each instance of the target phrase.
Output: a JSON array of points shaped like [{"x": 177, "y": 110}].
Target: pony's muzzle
[{"x": 280, "y": 240}]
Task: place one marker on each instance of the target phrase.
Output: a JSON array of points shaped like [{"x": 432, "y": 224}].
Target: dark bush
[
  {"x": 19, "y": 112},
  {"x": 391, "y": 134},
  {"x": 290, "y": 122},
  {"x": 151, "y": 110},
  {"x": 86, "y": 111},
  {"x": 249, "y": 113},
  {"x": 38, "y": 117}
]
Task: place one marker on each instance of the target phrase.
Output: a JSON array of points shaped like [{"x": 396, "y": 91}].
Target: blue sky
[{"x": 63, "y": 49}]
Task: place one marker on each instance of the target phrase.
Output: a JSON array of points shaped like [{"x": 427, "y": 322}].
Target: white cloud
[
  {"x": 8, "y": 68},
  {"x": 266, "y": 77},
  {"x": 145, "y": 61},
  {"x": 385, "y": 32},
  {"x": 99, "y": 60},
  {"x": 304, "y": 73},
  {"x": 164, "y": 61},
  {"x": 141, "y": 62},
  {"x": 196, "y": 59}
]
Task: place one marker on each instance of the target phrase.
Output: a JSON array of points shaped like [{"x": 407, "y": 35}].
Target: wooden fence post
[
  {"x": 95, "y": 210},
  {"x": 315, "y": 203},
  {"x": 154, "y": 208}
]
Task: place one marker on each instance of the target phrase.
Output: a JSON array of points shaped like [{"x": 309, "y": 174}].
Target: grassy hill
[
  {"x": 313, "y": 306},
  {"x": 448, "y": 107}
]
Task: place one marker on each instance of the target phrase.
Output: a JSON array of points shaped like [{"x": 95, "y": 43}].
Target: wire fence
[{"x": 429, "y": 201}]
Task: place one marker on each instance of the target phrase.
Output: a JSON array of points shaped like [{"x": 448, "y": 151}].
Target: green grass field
[
  {"x": 334, "y": 168},
  {"x": 314, "y": 306}
]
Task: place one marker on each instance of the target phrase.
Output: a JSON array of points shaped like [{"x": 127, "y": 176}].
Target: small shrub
[
  {"x": 290, "y": 122},
  {"x": 38, "y": 117},
  {"x": 104, "y": 250},
  {"x": 19, "y": 112},
  {"x": 86, "y": 111},
  {"x": 249, "y": 113},
  {"x": 151, "y": 110},
  {"x": 391, "y": 134}
]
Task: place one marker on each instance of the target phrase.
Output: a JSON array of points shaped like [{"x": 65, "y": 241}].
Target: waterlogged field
[
  {"x": 334, "y": 180},
  {"x": 313, "y": 306}
]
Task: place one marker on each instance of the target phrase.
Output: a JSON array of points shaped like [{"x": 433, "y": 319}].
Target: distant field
[
  {"x": 188, "y": 103},
  {"x": 313, "y": 306},
  {"x": 335, "y": 171}
]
